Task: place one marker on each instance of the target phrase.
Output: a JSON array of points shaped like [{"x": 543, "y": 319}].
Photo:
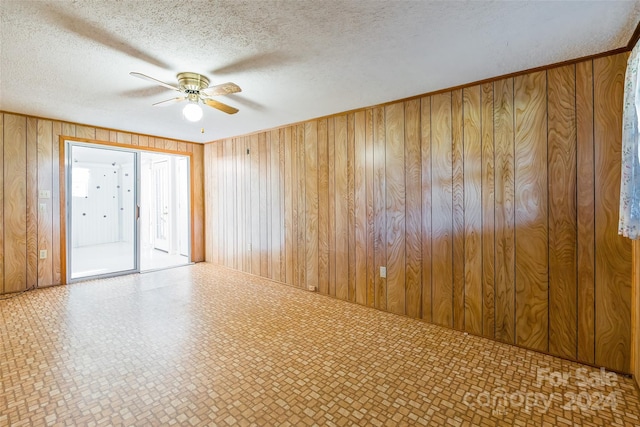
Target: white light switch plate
[{"x": 383, "y": 272}]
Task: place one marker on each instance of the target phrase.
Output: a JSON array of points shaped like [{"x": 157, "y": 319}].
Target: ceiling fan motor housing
[{"x": 192, "y": 83}]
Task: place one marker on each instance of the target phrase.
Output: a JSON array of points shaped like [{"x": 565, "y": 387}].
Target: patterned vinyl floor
[{"x": 202, "y": 345}]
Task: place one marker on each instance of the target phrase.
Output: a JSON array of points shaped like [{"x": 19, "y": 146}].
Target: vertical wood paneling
[
  {"x": 442, "y": 209},
  {"x": 198, "y": 226},
  {"x": 288, "y": 206},
  {"x": 240, "y": 159},
  {"x": 395, "y": 198},
  {"x": 480, "y": 203},
  {"x": 585, "y": 212},
  {"x": 323, "y": 208},
  {"x": 341, "y": 209},
  {"x": 562, "y": 211},
  {"x": 360, "y": 206},
  {"x": 15, "y": 203},
  {"x": 311, "y": 202},
  {"x": 2, "y": 272},
  {"x": 262, "y": 206},
  {"x": 331, "y": 151},
  {"x": 86, "y": 132},
  {"x": 351, "y": 227},
  {"x": 45, "y": 219},
  {"x": 379, "y": 211},
  {"x": 301, "y": 233},
  {"x": 425, "y": 183},
  {"x": 504, "y": 213},
  {"x": 488, "y": 212},
  {"x": 55, "y": 203},
  {"x": 413, "y": 209},
  {"x": 458, "y": 208},
  {"x": 254, "y": 153},
  {"x": 32, "y": 202},
  {"x": 613, "y": 252},
  {"x": 276, "y": 211},
  {"x": 532, "y": 258},
  {"x": 473, "y": 297},
  {"x": 369, "y": 182}
]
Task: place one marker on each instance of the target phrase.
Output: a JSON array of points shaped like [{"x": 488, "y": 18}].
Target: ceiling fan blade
[
  {"x": 220, "y": 106},
  {"x": 151, "y": 79},
  {"x": 169, "y": 101},
  {"x": 221, "y": 89}
]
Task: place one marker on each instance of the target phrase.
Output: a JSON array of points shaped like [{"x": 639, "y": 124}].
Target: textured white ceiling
[{"x": 294, "y": 59}]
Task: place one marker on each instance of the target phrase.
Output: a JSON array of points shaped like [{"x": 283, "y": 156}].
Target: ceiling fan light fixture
[{"x": 192, "y": 112}]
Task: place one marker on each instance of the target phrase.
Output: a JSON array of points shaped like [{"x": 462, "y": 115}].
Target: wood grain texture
[
  {"x": 473, "y": 295},
  {"x": 395, "y": 206},
  {"x": 240, "y": 159},
  {"x": 531, "y": 189},
  {"x": 58, "y": 176},
  {"x": 342, "y": 209},
  {"x": 379, "y": 204},
  {"x": 457, "y": 133},
  {"x": 323, "y": 208},
  {"x": 585, "y": 212},
  {"x": 262, "y": 212},
  {"x": 2, "y": 203},
  {"x": 351, "y": 237},
  {"x": 15, "y": 203},
  {"x": 301, "y": 233},
  {"x": 442, "y": 210},
  {"x": 255, "y": 205},
  {"x": 331, "y": 152},
  {"x": 426, "y": 188},
  {"x": 370, "y": 212},
  {"x": 413, "y": 209},
  {"x": 488, "y": 212},
  {"x": 563, "y": 326},
  {"x": 613, "y": 252},
  {"x": 288, "y": 207},
  {"x": 276, "y": 211},
  {"x": 504, "y": 211},
  {"x": 32, "y": 202},
  {"x": 45, "y": 219},
  {"x": 198, "y": 230},
  {"x": 360, "y": 206},
  {"x": 311, "y": 208},
  {"x": 485, "y": 147},
  {"x": 635, "y": 313}
]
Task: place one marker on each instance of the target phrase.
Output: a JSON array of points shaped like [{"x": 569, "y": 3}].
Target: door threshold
[{"x": 166, "y": 268}]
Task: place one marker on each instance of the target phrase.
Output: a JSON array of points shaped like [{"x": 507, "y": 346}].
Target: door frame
[{"x": 62, "y": 144}]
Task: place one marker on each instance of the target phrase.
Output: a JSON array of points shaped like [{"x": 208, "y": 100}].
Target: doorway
[
  {"x": 127, "y": 210},
  {"x": 164, "y": 211}
]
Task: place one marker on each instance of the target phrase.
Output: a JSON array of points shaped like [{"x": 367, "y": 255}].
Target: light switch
[
  {"x": 43, "y": 254},
  {"x": 44, "y": 194},
  {"x": 43, "y": 207},
  {"x": 383, "y": 272}
]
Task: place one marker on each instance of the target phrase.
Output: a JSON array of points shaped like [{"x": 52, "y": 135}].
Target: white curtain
[{"x": 629, "y": 225}]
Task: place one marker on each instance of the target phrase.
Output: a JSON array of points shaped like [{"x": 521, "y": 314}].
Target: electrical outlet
[
  {"x": 383, "y": 272},
  {"x": 44, "y": 194},
  {"x": 43, "y": 254},
  {"x": 311, "y": 288},
  {"x": 249, "y": 247}
]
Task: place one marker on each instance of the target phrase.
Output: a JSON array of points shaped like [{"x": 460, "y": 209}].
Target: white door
[{"x": 162, "y": 214}]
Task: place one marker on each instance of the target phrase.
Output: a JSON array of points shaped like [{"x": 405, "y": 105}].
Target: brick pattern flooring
[{"x": 203, "y": 345}]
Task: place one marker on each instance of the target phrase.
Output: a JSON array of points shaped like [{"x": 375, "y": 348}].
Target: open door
[{"x": 162, "y": 205}]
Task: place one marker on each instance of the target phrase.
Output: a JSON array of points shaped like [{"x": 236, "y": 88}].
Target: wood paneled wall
[
  {"x": 635, "y": 314},
  {"x": 492, "y": 207},
  {"x": 29, "y": 163}
]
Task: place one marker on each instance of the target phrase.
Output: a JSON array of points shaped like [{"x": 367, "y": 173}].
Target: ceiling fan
[{"x": 195, "y": 87}]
